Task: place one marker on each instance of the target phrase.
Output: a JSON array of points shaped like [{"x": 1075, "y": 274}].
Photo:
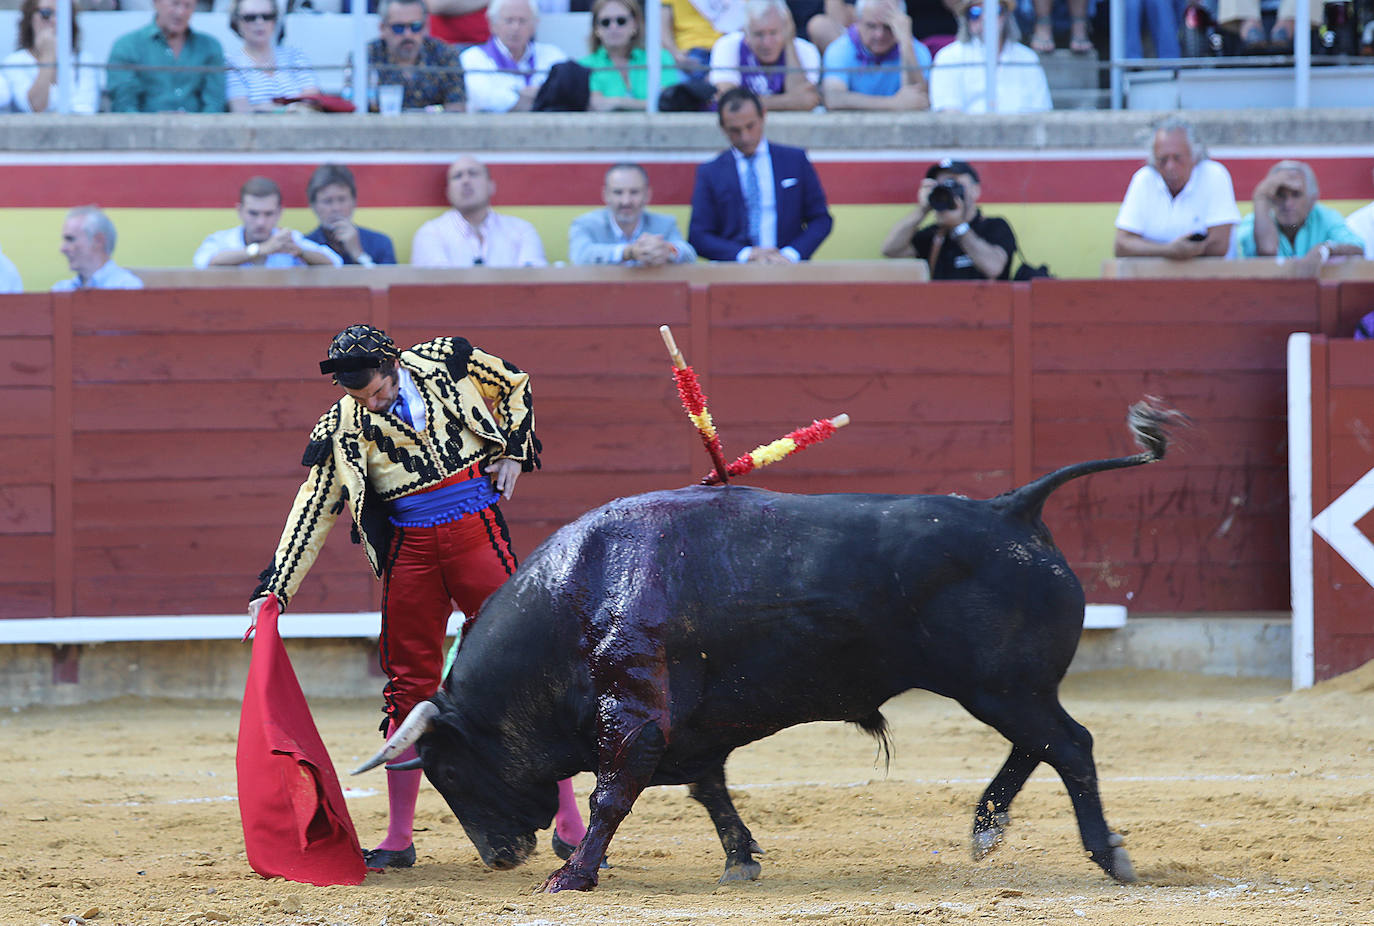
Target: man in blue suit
[
  {"x": 623, "y": 233},
  {"x": 756, "y": 202}
]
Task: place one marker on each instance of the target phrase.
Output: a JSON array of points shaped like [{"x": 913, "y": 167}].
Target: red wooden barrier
[{"x": 161, "y": 431}]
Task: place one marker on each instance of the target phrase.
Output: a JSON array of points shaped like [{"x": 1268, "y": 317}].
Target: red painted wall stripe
[{"x": 211, "y": 186}]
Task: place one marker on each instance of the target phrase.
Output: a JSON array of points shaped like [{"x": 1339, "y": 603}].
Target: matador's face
[{"x": 378, "y": 395}]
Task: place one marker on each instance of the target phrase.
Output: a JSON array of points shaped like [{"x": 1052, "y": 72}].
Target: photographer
[{"x": 962, "y": 244}]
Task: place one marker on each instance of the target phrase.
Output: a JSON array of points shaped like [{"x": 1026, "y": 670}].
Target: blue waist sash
[{"x": 447, "y": 503}]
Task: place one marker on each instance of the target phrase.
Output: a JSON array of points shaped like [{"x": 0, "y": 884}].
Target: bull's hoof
[
  {"x": 564, "y": 850},
  {"x": 1121, "y": 868},
  {"x": 564, "y": 879},
  {"x": 989, "y": 834},
  {"x": 742, "y": 871}
]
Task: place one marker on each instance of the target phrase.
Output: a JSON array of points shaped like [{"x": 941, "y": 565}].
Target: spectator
[
  {"x": 769, "y": 59},
  {"x": 9, "y": 276},
  {"x": 618, "y": 61},
  {"x": 28, "y": 75},
  {"x": 756, "y": 202},
  {"x": 1162, "y": 17},
  {"x": 1080, "y": 42},
  {"x": 961, "y": 244},
  {"x": 623, "y": 232},
  {"x": 472, "y": 233},
  {"x": 1181, "y": 204},
  {"x": 406, "y": 54},
  {"x": 1361, "y": 222},
  {"x": 263, "y": 69},
  {"x": 166, "y": 66},
  {"x": 933, "y": 22},
  {"x": 958, "y": 79},
  {"x": 1243, "y": 17},
  {"x": 690, "y": 29},
  {"x": 333, "y": 195},
  {"x": 88, "y": 241},
  {"x": 1289, "y": 222},
  {"x": 506, "y": 71},
  {"x": 258, "y": 242},
  {"x": 876, "y": 64}
]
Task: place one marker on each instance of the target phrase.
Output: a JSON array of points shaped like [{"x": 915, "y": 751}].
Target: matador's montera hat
[{"x": 359, "y": 347}]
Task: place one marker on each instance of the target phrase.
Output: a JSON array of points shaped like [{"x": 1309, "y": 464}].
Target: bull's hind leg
[
  {"x": 1039, "y": 727},
  {"x": 993, "y": 815},
  {"x": 735, "y": 838}
]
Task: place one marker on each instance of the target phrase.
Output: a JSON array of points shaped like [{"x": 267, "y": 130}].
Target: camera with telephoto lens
[{"x": 946, "y": 195}]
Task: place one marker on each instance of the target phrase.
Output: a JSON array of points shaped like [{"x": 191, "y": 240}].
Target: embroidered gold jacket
[{"x": 364, "y": 459}]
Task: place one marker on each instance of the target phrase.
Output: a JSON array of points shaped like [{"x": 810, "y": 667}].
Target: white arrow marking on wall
[{"x": 1337, "y": 527}]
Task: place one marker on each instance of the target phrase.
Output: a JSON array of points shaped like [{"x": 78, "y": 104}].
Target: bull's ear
[{"x": 417, "y": 724}]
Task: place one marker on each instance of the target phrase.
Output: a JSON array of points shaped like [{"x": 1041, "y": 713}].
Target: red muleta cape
[{"x": 295, "y": 824}]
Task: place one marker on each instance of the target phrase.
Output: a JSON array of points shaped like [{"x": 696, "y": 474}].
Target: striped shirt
[{"x": 291, "y": 76}]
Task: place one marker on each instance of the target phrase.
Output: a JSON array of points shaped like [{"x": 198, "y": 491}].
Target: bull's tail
[{"x": 1148, "y": 421}]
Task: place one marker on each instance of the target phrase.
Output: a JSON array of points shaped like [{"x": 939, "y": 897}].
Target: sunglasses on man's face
[
  {"x": 46, "y": 14},
  {"x": 258, "y": 17},
  {"x": 607, "y": 21},
  {"x": 403, "y": 28}
]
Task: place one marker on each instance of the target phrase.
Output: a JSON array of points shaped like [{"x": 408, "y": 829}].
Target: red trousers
[{"x": 431, "y": 569}]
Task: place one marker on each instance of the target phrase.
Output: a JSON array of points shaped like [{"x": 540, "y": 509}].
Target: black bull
[{"x": 654, "y": 635}]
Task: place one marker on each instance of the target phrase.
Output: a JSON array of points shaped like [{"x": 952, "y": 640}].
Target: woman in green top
[{"x": 620, "y": 73}]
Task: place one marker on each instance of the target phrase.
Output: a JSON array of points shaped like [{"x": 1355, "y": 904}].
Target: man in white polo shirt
[{"x": 1180, "y": 205}]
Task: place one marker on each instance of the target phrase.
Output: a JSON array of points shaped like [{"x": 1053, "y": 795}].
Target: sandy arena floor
[{"x": 1242, "y": 805}]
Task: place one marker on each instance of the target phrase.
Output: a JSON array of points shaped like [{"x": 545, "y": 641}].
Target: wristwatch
[
  {"x": 960, "y": 230},
  {"x": 253, "y": 250}
]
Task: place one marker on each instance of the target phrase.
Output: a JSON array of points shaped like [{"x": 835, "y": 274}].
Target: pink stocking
[
  {"x": 567, "y": 823},
  {"x": 403, "y": 789}
]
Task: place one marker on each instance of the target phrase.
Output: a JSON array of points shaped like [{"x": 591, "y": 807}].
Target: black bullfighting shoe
[
  {"x": 381, "y": 859},
  {"x": 564, "y": 850}
]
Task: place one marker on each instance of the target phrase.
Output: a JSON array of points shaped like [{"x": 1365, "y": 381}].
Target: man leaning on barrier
[
  {"x": 1181, "y": 204},
  {"x": 1287, "y": 220},
  {"x": 625, "y": 232},
  {"x": 259, "y": 242}
]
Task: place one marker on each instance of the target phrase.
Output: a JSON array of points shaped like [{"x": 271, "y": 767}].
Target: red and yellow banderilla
[{"x": 694, "y": 401}]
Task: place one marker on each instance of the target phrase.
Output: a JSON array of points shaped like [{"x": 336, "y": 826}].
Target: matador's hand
[{"x": 503, "y": 474}]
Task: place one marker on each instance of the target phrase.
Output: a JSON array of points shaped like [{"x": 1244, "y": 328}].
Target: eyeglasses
[
  {"x": 46, "y": 14},
  {"x": 258, "y": 17},
  {"x": 607, "y": 21},
  {"x": 403, "y": 28}
]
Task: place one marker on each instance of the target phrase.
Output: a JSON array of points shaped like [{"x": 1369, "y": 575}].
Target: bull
[{"x": 652, "y": 636}]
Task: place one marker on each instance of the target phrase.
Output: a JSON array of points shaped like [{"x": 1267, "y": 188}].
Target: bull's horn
[{"x": 416, "y": 725}]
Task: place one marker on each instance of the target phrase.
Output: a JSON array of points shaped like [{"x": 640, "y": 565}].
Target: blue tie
[
  {"x": 402, "y": 412},
  {"x": 753, "y": 200}
]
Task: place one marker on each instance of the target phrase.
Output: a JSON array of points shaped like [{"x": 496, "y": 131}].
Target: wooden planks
[{"x": 184, "y": 414}]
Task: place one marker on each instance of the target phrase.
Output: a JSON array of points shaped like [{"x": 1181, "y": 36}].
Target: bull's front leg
[
  {"x": 735, "y": 838},
  {"x": 618, "y": 784}
]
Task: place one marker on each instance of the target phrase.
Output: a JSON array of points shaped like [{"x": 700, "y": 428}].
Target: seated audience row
[
  {"x": 1182, "y": 205},
  {"x": 759, "y": 202},
  {"x": 874, "y": 64}
]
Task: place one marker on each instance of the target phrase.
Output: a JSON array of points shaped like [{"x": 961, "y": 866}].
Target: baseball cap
[{"x": 950, "y": 165}]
